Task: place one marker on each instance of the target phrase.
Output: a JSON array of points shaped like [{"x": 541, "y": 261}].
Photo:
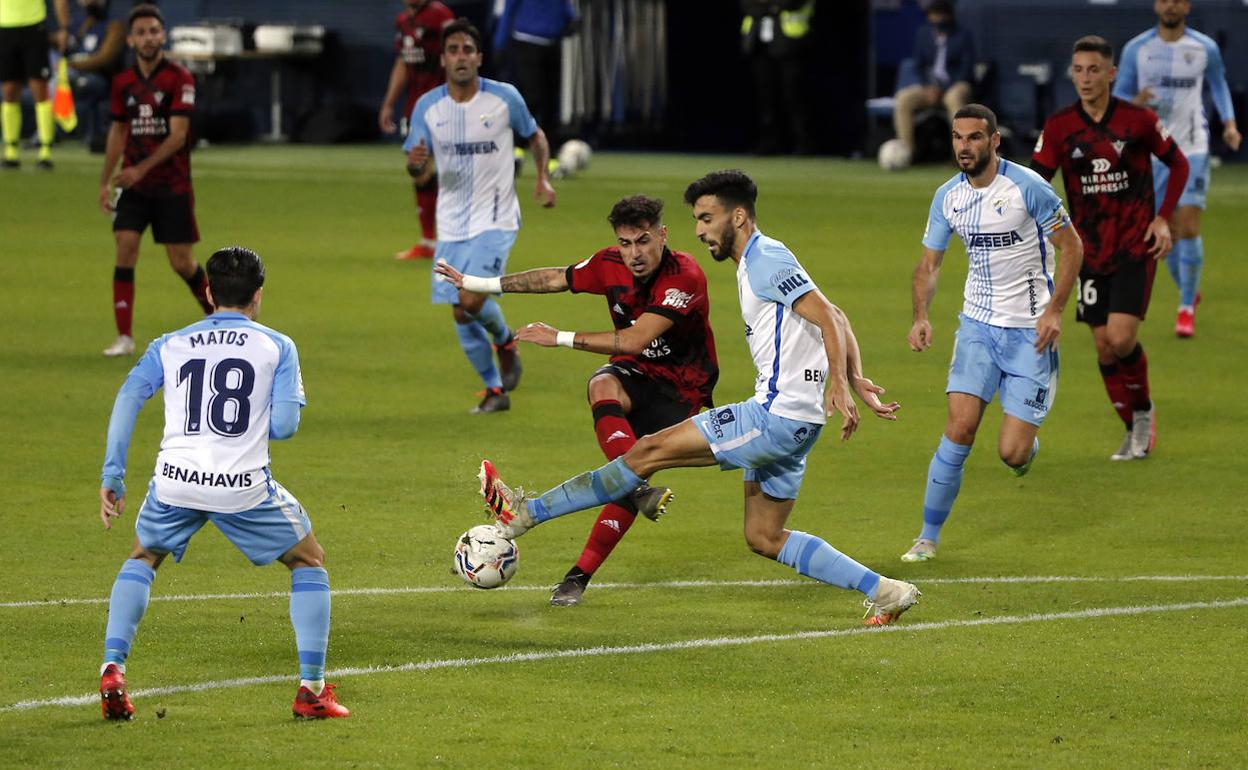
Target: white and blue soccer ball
[
  {"x": 484, "y": 558},
  {"x": 574, "y": 156},
  {"x": 894, "y": 155}
]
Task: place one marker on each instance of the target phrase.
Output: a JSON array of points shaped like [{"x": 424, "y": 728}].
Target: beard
[
  {"x": 978, "y": 166},
  {"x": 727, "y": 242}
]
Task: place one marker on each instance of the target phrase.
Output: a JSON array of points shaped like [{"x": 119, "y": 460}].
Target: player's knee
[
  {"x": 461, "y": 315},
  {"x": 763, "y": 542},
  {"x": 603, "y": 387},
  {"x": 470, "y": 302},
  {"x": 1014, "y": 454},
  {"x": 961, "y": 433},
  {"x": 1121, "y": 344}
]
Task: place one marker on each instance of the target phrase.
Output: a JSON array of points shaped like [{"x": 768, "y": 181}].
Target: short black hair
[
  {"x": 234, "y": 275},
  {"x": 733, "y": 187},
  {"x": 144, "y": 11},
  {"x": 636, "y": 211},
  {"x": 981, "y": 112},
  {"x": 1095, "y": 44},
  {"x": 940, "y": 6},
  {"x": 464, "y": 26}
]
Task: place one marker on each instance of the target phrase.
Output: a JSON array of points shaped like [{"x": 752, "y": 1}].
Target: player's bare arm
[
  {"x": 179, "y": 127},
  {"x": 118, "y": 134},
  {"x": 1049, "y": 325},
  {"x": 420, "y": 163},
  {"x": 867, "y": 391},
  {"x": 544, "y": 191},
  {"x": 815, "y": 308},
  {"x": 923, "y": 289},
  {"x": 542, "y": 280},
  {"x": 1230, "y": 134},
  {"x": 622, "y": 342},
  {"x": 398, "y": 81}
]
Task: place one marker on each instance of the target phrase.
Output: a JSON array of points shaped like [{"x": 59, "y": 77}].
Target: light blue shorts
[
  {"x": 1197, "y": 181},
  {"x": 987, "y": 359},
  {"x": 485, "y": 255},
  {"x": 262, "y": 533},
  {"x": 771, "y": 449}
]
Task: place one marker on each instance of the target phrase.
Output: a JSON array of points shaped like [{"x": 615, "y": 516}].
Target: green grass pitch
[{"x": 1036, "y": 644}]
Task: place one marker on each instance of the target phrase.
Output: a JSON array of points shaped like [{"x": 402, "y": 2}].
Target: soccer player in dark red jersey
[
  {"x": 151, "y": 105},
  {"x": 1103, "y": 147},
  {"x": 663, "y": 365},
  {"x": 417, "y": 68}
]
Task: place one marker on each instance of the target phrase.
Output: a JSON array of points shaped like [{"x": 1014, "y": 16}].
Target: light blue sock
[
  {"x": 309, "y": 614},
  {"x": 813, "y": 557},
  {"x": 588, "y": 490},
  {"x": 476, "y": 345},
  {"x": 944, "y": 479},
  {"x": 491, "y": 317},
  {"x": 1174, "y": 262},
  {"x": 126, "y": 606},
  {"x": 1191, "y": 253}
]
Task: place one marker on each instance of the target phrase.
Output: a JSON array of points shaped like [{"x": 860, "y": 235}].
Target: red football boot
[
  {"x": 419, "y": 251},
  {"x": 114, "y": 702},
  {"x": 324, "y": 706}
]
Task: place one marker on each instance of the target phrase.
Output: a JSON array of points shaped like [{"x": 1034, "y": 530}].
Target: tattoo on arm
[
  {"x": 580, "y": 343},
  {"x": 615, "y": 347},
  {"x": 544, "y": 280}
]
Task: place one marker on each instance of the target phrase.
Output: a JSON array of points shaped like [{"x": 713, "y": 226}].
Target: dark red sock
[
  {"x": 198, "y": 282},
  {"x": 612, "y": 523},
  {"x": 123, "y": 300},
  {"x": 1116, "y": 387},
  {"x": 427, "y": 202},
  {"x": 615, "y": 435},
  {"x": 1134, "y": 369}
]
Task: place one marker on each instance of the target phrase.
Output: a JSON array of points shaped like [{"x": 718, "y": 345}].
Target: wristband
[
  {"x": 565, "y": 339},
  {"x": 481, "y": 285}
]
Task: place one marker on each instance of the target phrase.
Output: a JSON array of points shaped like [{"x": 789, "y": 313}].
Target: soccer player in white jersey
[
  {"x": 1009, "y": 219},
  {"x": 462, "y": 130},
  {"x": 230, "y": 386},
  {"x": 1165, "y": 69},
  {"x": 801, "y": 344}
]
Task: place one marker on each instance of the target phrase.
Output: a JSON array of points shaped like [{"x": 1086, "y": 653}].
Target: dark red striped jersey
[
  {"x": 148, "y": 104},
  {"x": 1108, "y": 173},
  {"x": 418, "y": 39},
  {"x": 684, "y": 355}
]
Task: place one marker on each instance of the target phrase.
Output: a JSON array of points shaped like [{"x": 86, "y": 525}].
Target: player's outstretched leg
[
  {"x": 1021, "y": 470},
  {"x": 944, "y": 480},
  {"x": 309, "y": 614},
  {"x": 516, "y": 513},
  {"x": 126, "y": 606}
]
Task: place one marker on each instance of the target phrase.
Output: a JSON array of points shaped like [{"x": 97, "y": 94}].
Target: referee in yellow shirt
[{"x": 24, "y": 40}]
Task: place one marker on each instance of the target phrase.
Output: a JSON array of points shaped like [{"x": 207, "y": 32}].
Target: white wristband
[
  {"x": 483, "y": 285},
  {"x": 565, "y": 339}
]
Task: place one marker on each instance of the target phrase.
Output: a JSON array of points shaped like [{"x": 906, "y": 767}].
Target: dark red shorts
[
  {"x": 172, "y": 218},
  {"x": 1126, "y": 290}
]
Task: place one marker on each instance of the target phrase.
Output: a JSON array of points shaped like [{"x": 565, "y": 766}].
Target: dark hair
[
  {"x": 144, "y": 11},
  {"x": 234, "y": 274},
  {"x": 1095, "y": 44},
  {"x": 636, "y": 210},
  {"x": 940, "y": 6},
  {"x": 462, "y": 26},
  {"x": 981, "y": 112},
  {"x": 733, "y": 188}
]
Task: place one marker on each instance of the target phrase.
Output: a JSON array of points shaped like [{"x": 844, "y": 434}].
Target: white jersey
[
  {"x": 221, "y": 377},
  {"x": 787, "y": 349},
  {"x": 1175, "y": 73},
  {"x": 471, "y": 143},
  {"x": 1005, "y": 228}
]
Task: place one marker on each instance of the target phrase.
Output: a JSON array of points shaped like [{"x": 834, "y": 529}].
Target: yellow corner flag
[{"x": 63, "y": 101}]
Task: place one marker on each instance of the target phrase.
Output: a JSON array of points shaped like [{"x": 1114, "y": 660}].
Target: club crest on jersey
[
  {"x": 159, "y": 96},
  {"x": 999, "y": 204},
  {"x": 1119, "y": 145},
  {"x": 1189, "y": 57}
]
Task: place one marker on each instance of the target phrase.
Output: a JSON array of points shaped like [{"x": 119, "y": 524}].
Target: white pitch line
[
  {"x": 635, "y": 649},
  {"x": 778, "y": 583}
]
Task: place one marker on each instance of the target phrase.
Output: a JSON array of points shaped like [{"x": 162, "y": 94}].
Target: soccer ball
[
  {"x": 574, "y": 156},
  {"x": 484, "y": 558},
  {"x": 894, "y": 155}
]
